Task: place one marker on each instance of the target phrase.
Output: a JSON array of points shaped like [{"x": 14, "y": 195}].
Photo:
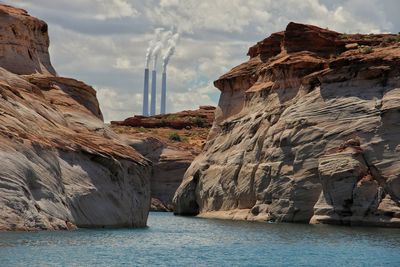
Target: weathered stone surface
[
  {"x": 302, "y": 37},
  {"x": 24, "y": 42},
  {"x": 308, "y": 135},
  {"x": 268, "y": 47},
  {"x": 170, "y": 158},
  {"x": 170, "y": 162},
  {"x": 60, "y": 166},
  {"x": 151, "y": 137}
]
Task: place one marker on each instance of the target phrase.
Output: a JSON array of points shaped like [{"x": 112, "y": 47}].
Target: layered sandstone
[
  {"x": 170, "y": 158},
  {"x": 24, "y": 42},
  {"x": 307, "y": 130},
  {"x": 60, "y": 166}
]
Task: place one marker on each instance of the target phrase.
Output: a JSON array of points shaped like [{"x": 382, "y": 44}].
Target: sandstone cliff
[
  {"x": 60, "y": 166},
  {"x": 307, "y": 130},
  {"x": 170, "y": 142},
  {"x": 24, "y": 42}
]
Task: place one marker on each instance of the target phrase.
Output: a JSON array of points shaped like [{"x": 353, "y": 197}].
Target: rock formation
[
  {"x": 307, "y": 130},
  {"x": 170, "y": 158},
  {"x": 169, "y": 163},
  {"x": 24, "y": 42},
  {"x": 60, "y": 166},
  {"x": 202, "y": 117}
]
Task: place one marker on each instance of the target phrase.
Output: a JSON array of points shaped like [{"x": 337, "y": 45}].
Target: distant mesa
[{"x": 202, "y": 117}]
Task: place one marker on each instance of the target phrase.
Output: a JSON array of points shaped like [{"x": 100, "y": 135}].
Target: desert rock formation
[
  {"x": 170, "y": 159},
  {"x": 61, "y": 167},
  {"x": 203, "y": 117},
  {"x": 24, "y": 42},
  {"x": 307, "y": 130}
]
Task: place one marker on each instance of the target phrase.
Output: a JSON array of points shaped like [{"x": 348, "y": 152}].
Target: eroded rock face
[
  {"x": 24, "y": 42},
  {"x": 305, "y": 133},
  {"x": 151, "y": 137},
  {"x": 170, "y": 159},
  {"x": 60, "y": 166},
  {"x": 170, "y": 162}
]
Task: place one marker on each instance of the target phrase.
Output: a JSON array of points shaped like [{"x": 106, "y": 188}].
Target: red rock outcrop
[
  {"x": 60, "y": 166},
  {"x": 24, "y": 42},
  {"x": 307, "y": 133},
  {"x": 267, "y": 48},
  {"x": 170, "y": 158},
  {"x": 202, "y": 117}
]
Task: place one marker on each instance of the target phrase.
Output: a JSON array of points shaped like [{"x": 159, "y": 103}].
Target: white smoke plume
[
  {"x": 156, "y": 52},
  {"x": 161, "y": 44},
  {"x": 170, "y": 50},
  {"x": 162, "y": 40},
  {"x": 166, "y": 36},
  {"x": 153, "y": 44}
]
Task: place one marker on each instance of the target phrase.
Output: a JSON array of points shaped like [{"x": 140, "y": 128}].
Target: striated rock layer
[
  {"x": 60, "y": 166},
  {"x": 307, "y": 130},
  {"x": 169, "y": 163},
  {"x": 170, "y": 157},
  {"x": 24, "y": 42}
]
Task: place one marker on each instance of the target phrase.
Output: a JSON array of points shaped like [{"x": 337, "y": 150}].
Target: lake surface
[{"x": 180, "y": 241}]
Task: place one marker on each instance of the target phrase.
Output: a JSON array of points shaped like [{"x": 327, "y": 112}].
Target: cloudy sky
[{"x": 104, "y": 42}]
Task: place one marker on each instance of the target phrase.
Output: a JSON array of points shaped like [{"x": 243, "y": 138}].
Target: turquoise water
[{"x": 181, "y": 241}]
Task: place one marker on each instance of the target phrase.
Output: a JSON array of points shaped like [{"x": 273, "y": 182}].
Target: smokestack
[
  {"x": 152, "y": 45},
  {"x": 155, "y": 53},
  {"x": 163, "y": 92},
  {"x": 167, "y": 55},
  {"x": 146, "y": 93},
  {"x": 153, "y": 93},
  {"x": 160, "y": 41}
]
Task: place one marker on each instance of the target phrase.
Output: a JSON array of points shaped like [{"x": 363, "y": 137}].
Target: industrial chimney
[
  {"x": 167, "y": 55},
  {"x": 153, "y": 92},
  {"x": 163, "y": 92},
  {"x": 146, "y": 93}
]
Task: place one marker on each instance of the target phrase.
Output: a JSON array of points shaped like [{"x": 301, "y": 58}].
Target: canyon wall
[
  {"x": 170, "y": 142},
  {"x": 60, "y": 166},
  {"x": 307, "y": 130}
]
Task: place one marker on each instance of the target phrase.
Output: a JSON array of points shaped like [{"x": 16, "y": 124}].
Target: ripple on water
[{"x": 183, "y": 241}]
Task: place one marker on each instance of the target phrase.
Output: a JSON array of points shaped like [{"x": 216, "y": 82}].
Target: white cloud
[
  {"x": 114, "y": 9},
  {"x": 97, "y": 9},
  {"x": 239, "y": 16},
  {"x": 191, "y": 99},
  {"x": 103, "y": 42},
  {"x": 122, "y": 63},
  {"x": 118, "y": 105}
]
